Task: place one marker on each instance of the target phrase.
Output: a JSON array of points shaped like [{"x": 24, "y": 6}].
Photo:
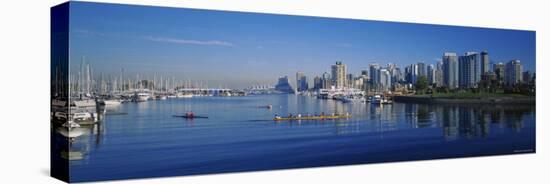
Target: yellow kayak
[{"x": 312, "y": 118}]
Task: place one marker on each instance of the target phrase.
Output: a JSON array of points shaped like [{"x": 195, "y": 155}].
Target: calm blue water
[{"x": 238, "y": 136}]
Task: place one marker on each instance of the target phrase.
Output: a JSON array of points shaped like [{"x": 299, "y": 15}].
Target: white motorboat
[
  {"x": 84, "y": 103},
  {"x": 111, "y": 102},
  {"x": 141, "y": 97},
  {"x": 185, "y": 95}
]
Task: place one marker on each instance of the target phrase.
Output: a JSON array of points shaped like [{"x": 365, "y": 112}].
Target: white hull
[
  {"x": 142, "y": 99},
  {"x": 111, "y": 102},
  {"x": 71, "y": 132},
  {"x": 84, "y": 103},
  {"x": 185, "y": 96}
]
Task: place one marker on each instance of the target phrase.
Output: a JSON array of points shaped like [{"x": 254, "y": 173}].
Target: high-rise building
[
  {"x": 397, "y": 75},
  {"x": 391, "y": 68},
  {"x": 326, "y": 80},
  {"x": 498, "y": 69},
  {"x": 365, "y": 79},
  {"x": 527, "y": 77},
  {"x": 408, "y": 74},
  {"x": 283, "y": 85},
  {"x": 513, "y": 74},
  {"x": 339, "y": 75},
  {"x": 385, "y": 80},
  {"x": 484, "y": 62},
  {"x": 421, "y": 69},
  {"x": 430, "y": 74},
  {"x": 301, "y": 82},
  {"x": 439, "y": 74},
  {"x": 415, "y": 72},
  {"x": 349, "y": 81},
  {"x": 317, "y": 83},
  {"x": 469, "y": 73},
  {"x": 364, "y": 72},
  {"x": 450, "y": 70},
  {"x": 374, "y": 75}
]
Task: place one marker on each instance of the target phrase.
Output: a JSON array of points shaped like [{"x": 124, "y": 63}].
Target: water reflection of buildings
[
  {"x": 465, "y": 121},
  {"x": 473, "y": 122}
]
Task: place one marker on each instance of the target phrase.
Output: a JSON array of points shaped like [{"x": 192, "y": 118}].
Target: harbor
[
  {"x": 148, "y": 92},
  {"x": 239, "y": 131}
]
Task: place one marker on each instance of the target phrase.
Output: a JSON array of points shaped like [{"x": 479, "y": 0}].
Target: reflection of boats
[
  {"x": 70, "y": 132},
  {"x": 344, "y": 99},
  {"x": 70, "y": 125},
  {"x": 70, "y": 129},
  {"x": 322, "y": 117},
  {"x": 191, "y": 117},
  {"x": 377, "y": 99},
  {"x": 72, "y": 155}
]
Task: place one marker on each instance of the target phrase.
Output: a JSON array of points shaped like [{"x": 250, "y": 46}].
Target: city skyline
[{"x": 243, "y": 49}]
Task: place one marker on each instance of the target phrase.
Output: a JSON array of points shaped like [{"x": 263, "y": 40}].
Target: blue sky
[{"x": 243, "y": 49}]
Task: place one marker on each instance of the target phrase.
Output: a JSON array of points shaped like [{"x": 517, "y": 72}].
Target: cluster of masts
[{"x": 84, "y": 83}]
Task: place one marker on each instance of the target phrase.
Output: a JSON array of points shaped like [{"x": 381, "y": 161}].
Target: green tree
[{"x": 421, "y": 84}]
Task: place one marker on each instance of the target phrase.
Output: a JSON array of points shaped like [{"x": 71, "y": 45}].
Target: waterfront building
[
  {"x": 484, "y": 62},
  {"x": 415, "y": 73},
  {"x": 391, "y": 68},
  {"x": 364, "y": 79},
  {"x": 358, "y": 82},
  {"x": 385, "y": 80},
  {"x": 421, "y": 69},
  {"x": 439, "y": 74},
  {"x": 350, "y": 81},
  {"x": 430, "y": 74},
  {"x": 469, "y": 73},
  {"x": 408, "y": 74},
  {"x": 513, "y": 74},
  {"x": 301, "y": 82},
  {"x": 339, "y": 75},
  {"x": 317, "y": 83},
  {"x": 397, "y": 75},
  {"x": 450, "y": 70},
  {"x": 374, "y": 75},
  {"x": 326, "y": 81},
  {"x": 527, "y": 77},
  {"x": 283, "y": 85},
  {"x": 498, "y": 69}
]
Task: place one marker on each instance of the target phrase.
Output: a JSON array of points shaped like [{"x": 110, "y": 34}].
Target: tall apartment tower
[
  {"x": 484, "y": 62},
  {"x": 301, "y": 82},
  {"x": 339, "y": 75},
  {"x": 513, "y": 73},
  {"x": 450, "y": 70},
  {"x": 469, "y": 70}
]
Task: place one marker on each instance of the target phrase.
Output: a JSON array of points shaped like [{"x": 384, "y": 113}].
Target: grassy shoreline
[{"x": 468, "y": 98}]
